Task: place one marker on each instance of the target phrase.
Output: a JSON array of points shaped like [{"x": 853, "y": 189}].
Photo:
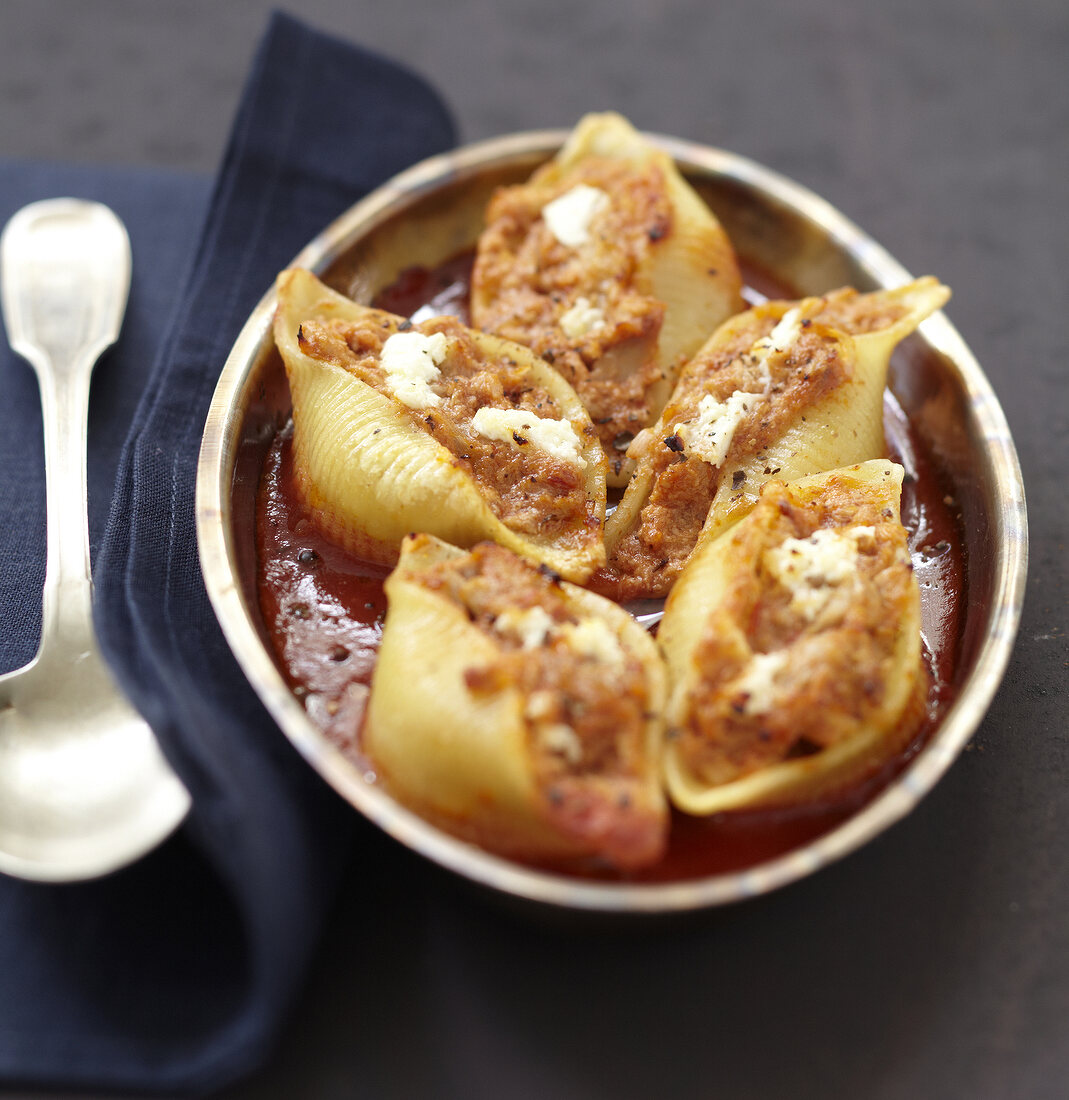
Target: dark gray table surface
[{"x": 933, "y": 963}]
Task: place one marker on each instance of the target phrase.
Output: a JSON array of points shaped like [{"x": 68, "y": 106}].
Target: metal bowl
[{"x": 434, "y": 210}]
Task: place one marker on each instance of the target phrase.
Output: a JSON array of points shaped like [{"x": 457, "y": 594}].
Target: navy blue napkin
[{"x": 175, "y": 974}]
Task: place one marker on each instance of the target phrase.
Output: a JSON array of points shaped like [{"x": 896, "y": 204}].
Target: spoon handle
[
  {"x": 66, "y": 600},
  {"x": 66, "y": 277}
]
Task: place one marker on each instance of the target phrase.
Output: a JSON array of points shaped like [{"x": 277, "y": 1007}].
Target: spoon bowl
[{"x": 84, "y": 788}]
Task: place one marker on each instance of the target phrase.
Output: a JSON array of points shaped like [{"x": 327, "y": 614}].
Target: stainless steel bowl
[{"x": 431, "y": 212}]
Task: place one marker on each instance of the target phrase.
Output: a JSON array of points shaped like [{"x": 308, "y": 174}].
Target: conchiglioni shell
[
  {"x": 371, "y": 475},
  {"x": 462, "y": 759},
  {"x": 692, "y": 269},
  {"x": 695, "y": 606},
  {"x": 843, "y": 428},
  {"x": 847, "y": 426}
]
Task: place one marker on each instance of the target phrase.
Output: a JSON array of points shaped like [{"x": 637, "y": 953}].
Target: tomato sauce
[{"x": 324, "y": 612}]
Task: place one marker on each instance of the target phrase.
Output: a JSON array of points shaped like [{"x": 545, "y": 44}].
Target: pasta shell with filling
[
  {"x": 786, "y": 390},
  {"x": 516, "y": 710},
  {"x": 610, "y": 266},
  {"x": 793, "y": 646},
  {"x": 438, "y": 428}
]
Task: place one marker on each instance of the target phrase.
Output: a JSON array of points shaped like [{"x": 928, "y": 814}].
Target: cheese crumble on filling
[
  {"x": 581, "y": 319},
  {"x": 556, "y": 437},
  {"x": 787, "y": 330},
  {"x": 531, "y": 625},
  {"x": 813, "y": 567},
  {"x": 589, "y": 638},
  {"x": 594, "y": 639},
  {"x": 709, "y": 434},
  {"x": 411, "y": 362},
  {"x": 757, "y": 682},
  {"x": 568, "y": 216}
]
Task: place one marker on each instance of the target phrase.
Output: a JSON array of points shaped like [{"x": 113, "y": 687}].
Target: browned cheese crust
[
  {"x": 839, "y": 663},
  {"x": 525, "y": 279},
  {"x": 592, "y": 786},
  {"x": 527, "y": 489},
  {"x": 648, "y": 560}
]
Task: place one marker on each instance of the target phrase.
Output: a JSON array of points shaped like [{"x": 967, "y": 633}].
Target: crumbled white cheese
[
  {"x": 594, "y": 638},
  {"x": 586, "y": 638},
  {"x": 812, "y": 568},
  {"x": 562, "y": 740},
  {"x": 532, "y": 625},
  {"x": 757, "y": 682},
  {"x": 581, "y": 319},
  {"x": 709, "y": 434},
  {"x": 779, "y": 339},
  {"x": 556, "y": 437},
  {"x": 411, "y": 361},
  {"x": 766, "y": 374},
  {"x": 541, "y": 705},
  {"x": 788, "y": 329},
  {"x": 569, "y": 215}
]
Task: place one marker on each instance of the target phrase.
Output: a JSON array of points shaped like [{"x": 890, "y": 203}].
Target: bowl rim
[{"x": 215, "y": 471}]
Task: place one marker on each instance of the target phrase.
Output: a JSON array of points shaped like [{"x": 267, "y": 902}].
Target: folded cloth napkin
[{"x": 174, "y": 974}]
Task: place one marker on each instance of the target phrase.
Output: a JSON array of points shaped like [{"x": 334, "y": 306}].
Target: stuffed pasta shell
[
  {"x": 786, "y": 390},
  {"x": 516, "y": 710},
  {"x": 435, "y": 427},
  {"x": 793, "y": 646},
  {"x": 609, "y": 266}
]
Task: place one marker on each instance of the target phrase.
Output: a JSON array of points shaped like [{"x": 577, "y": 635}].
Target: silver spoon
[{"x": 84, "y": 788}]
